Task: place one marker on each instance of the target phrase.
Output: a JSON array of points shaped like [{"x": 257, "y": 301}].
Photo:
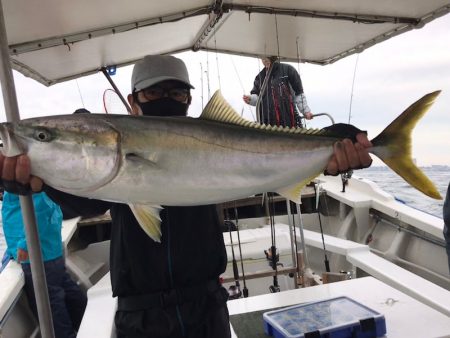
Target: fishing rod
[
  {"x": 244, "y": 290},
  {"x": 207, "y": 74},
  {"x": 294, "y": 247},
  {"x": 243, "y": 89},
  {"x": 353, "y": 85},
  {"x": 106, "y": 72},
  {"x": 234, "y": 291},
  {"x": 79, "y": 93},
  {"x": 261, "y": 91},
  {"x": 217, "y": 58},
  {"x": 317, "y": 191},
  {"x": 201, "y": 83},
  {"x": 272, "y": 254}
]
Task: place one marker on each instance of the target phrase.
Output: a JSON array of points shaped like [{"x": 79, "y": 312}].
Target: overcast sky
[{"x": 389, "y": 77}]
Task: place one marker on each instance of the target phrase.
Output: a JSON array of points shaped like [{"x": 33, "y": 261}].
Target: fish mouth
[{"x": 9, "y": 146}]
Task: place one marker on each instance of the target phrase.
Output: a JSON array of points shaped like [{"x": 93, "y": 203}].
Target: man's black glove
[{"x": 15, "y": 187}]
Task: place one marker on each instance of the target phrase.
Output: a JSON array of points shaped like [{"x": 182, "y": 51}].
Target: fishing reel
[
  {"x": 272, "y": 260},
  {"x": 274, "y": 289},
  {"x": 234, "y": 292},
  {"x": 345, "y": 177}
]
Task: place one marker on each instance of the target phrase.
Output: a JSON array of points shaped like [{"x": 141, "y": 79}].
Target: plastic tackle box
[{"x": 339, "y": 317}]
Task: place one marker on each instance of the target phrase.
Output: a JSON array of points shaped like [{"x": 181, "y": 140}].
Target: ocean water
[{"x": 391, "y": 183}]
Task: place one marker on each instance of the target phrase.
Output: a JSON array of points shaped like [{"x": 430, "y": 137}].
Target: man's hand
[
  {"x": 22, "y": 255},
  {"x": 17, "y": 169},
  {"x": 309, "y": 115},
  {"x": 250, "y": 99},
  {"x": 348, "y": 155}
]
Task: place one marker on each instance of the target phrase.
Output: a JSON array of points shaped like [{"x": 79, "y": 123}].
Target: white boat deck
[
  {"x": 405, "y": 316},
  {"x": 11, "y": 281},
  {"x": 413, "y": 295}
]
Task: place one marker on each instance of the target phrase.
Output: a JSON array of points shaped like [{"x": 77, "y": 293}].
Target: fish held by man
[{"x": 151, "y": 161}]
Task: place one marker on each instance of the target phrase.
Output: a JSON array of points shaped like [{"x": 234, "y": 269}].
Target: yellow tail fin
[{"x": 393, "y": 146}]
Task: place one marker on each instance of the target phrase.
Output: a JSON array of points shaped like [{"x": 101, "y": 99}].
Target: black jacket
[
  {"x": 277, "y": 101},
  {"x": 191, "y": 250},
  {"x": 446, "y": 216}
]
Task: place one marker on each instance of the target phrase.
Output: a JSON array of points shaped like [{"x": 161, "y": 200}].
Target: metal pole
[
  {"x": 37, "y": 268},
  {"x": 26, "y": 202},
  {"x": 111, "y": 82},
  {"x": 302, "y": 235}
]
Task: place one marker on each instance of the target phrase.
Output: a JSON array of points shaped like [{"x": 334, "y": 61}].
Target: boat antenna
[
  {"x": 353, "y": 85},
  {"x": 244, "y": 290}
]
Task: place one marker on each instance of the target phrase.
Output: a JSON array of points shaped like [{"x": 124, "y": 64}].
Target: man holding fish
[{"x": 167, "y": 283}]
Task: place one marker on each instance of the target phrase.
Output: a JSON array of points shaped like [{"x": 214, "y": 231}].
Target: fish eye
[{"x": 43, "y": 135}]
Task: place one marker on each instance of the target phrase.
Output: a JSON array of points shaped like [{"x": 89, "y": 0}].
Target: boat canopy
[{"x": 57, "y": 40}]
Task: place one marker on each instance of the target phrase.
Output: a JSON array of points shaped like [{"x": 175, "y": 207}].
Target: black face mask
[{"x": 163, "y": 107}]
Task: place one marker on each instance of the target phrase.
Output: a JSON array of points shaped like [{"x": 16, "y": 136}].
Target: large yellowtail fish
[{"x": 151, "y": 161}]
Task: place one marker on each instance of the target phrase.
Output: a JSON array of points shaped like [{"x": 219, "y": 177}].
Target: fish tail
[{"x": 394, "y": 144}]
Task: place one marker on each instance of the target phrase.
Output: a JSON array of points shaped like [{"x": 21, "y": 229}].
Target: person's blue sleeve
[
  {"x": 22, "y": 244},
  {"x": 12, "y": 224}
]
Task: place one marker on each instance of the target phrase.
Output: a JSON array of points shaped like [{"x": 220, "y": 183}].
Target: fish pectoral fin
[
  {"x": 294, "y": 191},
  {"x": 149, "y": 219},
  {"x": 136, "y": 158}
]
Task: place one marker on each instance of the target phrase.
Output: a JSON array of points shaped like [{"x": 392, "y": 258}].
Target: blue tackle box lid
[{"x": 338, "y": 317}]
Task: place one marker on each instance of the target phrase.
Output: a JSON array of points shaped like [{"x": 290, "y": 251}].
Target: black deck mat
[{"x": 250, "y": 324}]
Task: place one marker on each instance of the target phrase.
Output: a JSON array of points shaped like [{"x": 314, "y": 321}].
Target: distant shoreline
[{"x": 432, "y": 167}]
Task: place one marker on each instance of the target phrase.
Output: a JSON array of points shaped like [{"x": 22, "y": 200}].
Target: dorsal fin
[{"x": 218, "y": 109}]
